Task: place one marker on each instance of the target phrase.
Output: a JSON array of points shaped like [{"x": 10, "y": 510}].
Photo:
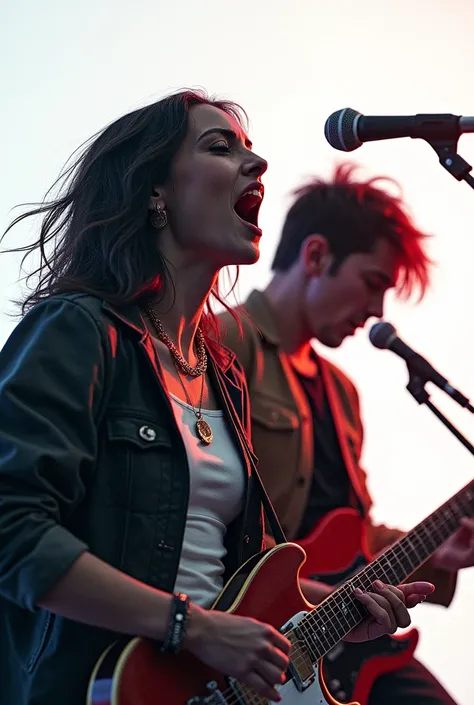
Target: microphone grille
[
  {"x": 340, "y": 130},
  {"x": 381, "y": 334}
]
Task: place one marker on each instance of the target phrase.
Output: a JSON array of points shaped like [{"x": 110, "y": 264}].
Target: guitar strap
[{"x": 275, "y": 526}]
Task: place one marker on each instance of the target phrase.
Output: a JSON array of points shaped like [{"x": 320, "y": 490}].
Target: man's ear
[{"x": 315, "y": 256}]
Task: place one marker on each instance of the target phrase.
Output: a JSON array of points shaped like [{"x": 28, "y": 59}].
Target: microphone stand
[
  {"x": 416, "y": 387},
  {"x": 452, "y": 161}
]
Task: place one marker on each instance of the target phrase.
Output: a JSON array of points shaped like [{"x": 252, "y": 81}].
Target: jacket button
[
  {"x": 147, "y": 433},
  {"x": 246, "y": 538},
  {"x": 301, "y": 481}
]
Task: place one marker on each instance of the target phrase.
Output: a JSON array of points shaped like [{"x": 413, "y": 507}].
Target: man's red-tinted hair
[{"x": 353, "y": 214}]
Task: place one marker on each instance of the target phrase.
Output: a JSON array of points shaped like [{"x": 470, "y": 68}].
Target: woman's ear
[{"x": 157, "y": 200}]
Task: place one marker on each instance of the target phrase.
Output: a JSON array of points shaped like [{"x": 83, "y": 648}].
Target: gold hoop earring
[{"x": 158, "y": 217}]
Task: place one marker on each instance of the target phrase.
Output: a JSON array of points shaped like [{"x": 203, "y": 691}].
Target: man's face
[{"x": 335, "y": 305}]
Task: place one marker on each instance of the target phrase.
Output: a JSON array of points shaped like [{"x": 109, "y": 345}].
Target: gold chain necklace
[
  {"x": 203, "y": 429},
  {"x": 188, "y": 369}
]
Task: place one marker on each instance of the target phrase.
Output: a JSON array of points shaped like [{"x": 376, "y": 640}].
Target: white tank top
[{"x": 216, "y": 490}]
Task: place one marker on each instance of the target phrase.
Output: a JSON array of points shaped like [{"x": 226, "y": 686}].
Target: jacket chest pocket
[
  {"x": 275, "y": 437},
  {"x": 135, "y": 468}
]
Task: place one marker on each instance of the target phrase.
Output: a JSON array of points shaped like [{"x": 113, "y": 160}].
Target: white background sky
[{"x": 68, "y": 69}]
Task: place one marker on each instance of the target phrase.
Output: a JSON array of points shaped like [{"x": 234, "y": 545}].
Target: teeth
[{"x": 253, "y": 192}]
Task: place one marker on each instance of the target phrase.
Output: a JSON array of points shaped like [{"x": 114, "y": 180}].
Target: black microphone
[
  {"x": 384, "y": 336},
  {"x": 347, "y": 129}
]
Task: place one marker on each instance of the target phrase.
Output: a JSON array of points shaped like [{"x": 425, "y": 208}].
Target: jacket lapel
[{"x": 342, "y": 411}]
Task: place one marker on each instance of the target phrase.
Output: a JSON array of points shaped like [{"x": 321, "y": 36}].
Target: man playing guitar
[{"x": 344, "y": 244}]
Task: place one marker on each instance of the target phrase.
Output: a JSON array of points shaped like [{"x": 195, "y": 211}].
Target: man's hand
[
  {"x": 458, "y": 551},
  {"x": 388, "y": 608}
]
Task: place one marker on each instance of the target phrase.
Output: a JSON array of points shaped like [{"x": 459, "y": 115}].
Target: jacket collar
[
  {"x": 262, "y": 316},
  {"x": 131, "y": 316}
]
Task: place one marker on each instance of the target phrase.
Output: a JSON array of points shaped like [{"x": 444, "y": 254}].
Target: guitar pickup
[
  {"x": 241, "y": 692},
  {"x": 301, "y": 666},
  {"x": 214, "y": 698}
]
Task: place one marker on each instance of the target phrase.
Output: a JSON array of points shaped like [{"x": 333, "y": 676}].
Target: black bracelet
[{"x": 178, "y": 621}]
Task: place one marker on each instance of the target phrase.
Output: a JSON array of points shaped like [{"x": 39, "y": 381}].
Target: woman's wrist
[
  {"x": 198, "y": 624},
  {"x": 177, "y": 624}
]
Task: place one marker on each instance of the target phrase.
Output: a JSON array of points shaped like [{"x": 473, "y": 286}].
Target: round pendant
[{"x": 204, "y": 431}]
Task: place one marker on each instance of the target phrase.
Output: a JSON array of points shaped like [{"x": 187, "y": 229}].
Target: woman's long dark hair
[{"x": 95, "y": 236}]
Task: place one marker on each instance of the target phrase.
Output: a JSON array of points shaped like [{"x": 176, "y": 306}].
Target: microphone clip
[
  {"x": 416, "y": 384},
  {"x": 451, "y": 160}
]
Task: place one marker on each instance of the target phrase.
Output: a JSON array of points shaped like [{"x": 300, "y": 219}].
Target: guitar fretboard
[{"x": 334, "y": 618}]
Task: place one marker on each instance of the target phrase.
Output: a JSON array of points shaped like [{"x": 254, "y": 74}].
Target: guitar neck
[{"x": 334, "y": 618}]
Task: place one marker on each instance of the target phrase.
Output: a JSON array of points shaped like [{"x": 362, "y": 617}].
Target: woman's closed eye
[{"x": 222, "y": 147}]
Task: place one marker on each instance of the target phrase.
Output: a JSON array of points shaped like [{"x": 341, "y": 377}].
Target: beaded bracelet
[{"x": 178, "y": 621}]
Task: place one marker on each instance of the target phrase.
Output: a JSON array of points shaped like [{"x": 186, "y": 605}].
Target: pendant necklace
[{"x": 203, "y": 429}]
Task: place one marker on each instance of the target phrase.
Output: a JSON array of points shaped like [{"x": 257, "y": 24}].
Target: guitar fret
[
  {"x": 412, "y": 551},
  {"x": 353, "y": 607},
  {"x": 452, "y": 515},
  {"x": 461, "y": 507},
  {"x": 323, "y": 643},
  {"x": 337, "y": 617},
  {"x": 404, "y": 548},
  {"x": 388, "y": 571},
  {"x": 427, "y": 535},
  {"x": 308, "y": 641},
  {"x": 420, "y": 547},
  {"x": 396, "y": 564},
  {"x": 464, "y": 502}
]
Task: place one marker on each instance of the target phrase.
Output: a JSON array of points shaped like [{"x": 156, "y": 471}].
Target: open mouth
[
  {"x": 355, "y": 324},
  {"x": 248, "y": 206}
]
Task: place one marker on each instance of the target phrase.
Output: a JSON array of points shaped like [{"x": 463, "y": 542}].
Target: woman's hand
[
  {"x": 388, "y": 608},
  {"x": 254, "y": 653}
]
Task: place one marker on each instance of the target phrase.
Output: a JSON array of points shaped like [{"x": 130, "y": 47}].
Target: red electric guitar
[
  {"x": 267, "y": 588},
  {"x": 336, "y": 550}
]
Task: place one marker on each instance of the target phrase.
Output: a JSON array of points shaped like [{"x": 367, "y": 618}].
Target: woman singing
[{"x": 127, "y": 492}]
